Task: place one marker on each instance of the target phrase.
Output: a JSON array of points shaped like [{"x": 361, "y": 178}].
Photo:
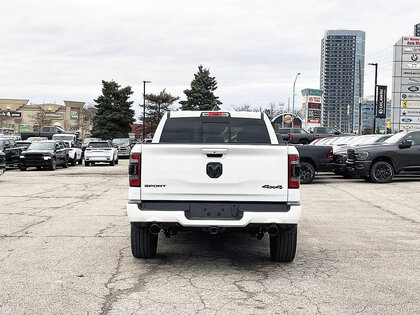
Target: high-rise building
[
  {"x": 417, "y": 30},
  {"x": 341, "y": 51}
]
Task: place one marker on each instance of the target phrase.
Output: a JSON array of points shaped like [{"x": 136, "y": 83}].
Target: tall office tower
[
  {"x": 341, "y": 51},
  {"x": 417, "y": 30}
]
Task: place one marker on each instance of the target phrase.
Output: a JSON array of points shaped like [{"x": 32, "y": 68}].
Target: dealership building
[{"x": 16, "y": 116}]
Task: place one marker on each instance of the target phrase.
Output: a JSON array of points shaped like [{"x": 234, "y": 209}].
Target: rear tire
[
  {"x": 143, "y": 243},
  {"x": 283, "y": 245},
  {"x": 66, "y": 163},
  {"x": 87, "y": 163},
  {"x": 307, "y": 173},
  {"x": 112, "y": 163},
  {"x": 73, "y": 162},
  {"x": 80, "y": 161},
  {"x": 22, "y": 168}
]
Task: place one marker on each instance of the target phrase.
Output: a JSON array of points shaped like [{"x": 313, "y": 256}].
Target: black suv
[
  {"x": 379, "y": 163},
  {"x": 12, "y": 152},
  {"x": 44, "y": 154}
]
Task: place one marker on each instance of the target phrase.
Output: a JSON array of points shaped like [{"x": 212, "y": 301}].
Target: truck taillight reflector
[
  {"x": 330, "y": 154},
  {"x": 294, "y": 170},
  {"x": 134, "y": 168}
]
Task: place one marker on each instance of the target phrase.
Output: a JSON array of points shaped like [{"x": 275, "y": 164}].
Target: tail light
[
  {"x": 294, "y": 170},
  {"x": 330, "y": 155},
  {"x": 134, "y": 168},
  {"x": 290, "y": 138}
]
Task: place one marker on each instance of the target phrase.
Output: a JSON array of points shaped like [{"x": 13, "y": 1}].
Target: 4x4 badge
[{"x": 272, "y": 187}]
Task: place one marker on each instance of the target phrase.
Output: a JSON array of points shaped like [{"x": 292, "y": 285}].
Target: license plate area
[{"x": 214, "y": 211}]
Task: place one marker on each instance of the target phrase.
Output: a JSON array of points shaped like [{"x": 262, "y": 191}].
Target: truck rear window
[{"x": 197, "y": 130}]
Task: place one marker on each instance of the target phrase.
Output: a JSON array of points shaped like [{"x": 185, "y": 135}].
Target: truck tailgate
[{"x": 175, "y": 172}]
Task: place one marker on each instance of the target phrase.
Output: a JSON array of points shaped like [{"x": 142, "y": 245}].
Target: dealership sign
[
  {"x": 410, "y": 96},
  {"x": 409, "y": 104},
  {"x": 409, "y": 81},
  {"x": 9, "y": 113},
  {"x": 410, "y": 112},
  {"x": 381, "y": 101},
  {"x": 410, "y": 73}
]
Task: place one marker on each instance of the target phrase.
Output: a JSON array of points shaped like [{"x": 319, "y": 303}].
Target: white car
[
  {"x": 70, "y": 140},
  {"x": 214, "y": 172},
  {"x": 101, "y": 151}
]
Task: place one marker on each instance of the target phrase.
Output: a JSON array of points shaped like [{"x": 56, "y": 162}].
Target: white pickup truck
[
  {"x": 70, "y": 140},
  {"x": 216, "y": 172}
]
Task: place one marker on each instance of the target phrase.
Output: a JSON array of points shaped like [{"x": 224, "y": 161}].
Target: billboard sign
[{"x": 381, "y": 101}]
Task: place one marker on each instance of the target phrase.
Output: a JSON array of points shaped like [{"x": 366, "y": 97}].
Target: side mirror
[{"x": 405, "y": 144}]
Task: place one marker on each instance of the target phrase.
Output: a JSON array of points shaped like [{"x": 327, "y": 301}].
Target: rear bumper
[
  {"x": 98, "y": 158},
  {"x": 249, "y": 217}
]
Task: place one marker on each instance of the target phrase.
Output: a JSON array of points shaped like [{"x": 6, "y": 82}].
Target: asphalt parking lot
[{"x": 65, "y": 248}]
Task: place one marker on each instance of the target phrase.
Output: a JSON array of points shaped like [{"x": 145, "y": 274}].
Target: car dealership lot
[{"x": 65, "y": 248}]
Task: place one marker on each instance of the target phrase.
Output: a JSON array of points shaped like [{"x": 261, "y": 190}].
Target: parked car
[
  {"x": 44, "y": 154},
  {"x": 123, "y": 146},
  {"x": 75, "y": 153},
  {"x": 214, "y": 171},
  {"x": 46, "y": 131},
  {"x": 379, "y": 163},
  {"x": 101, "y": 151},
  {"x": 24, "y": 144},
  {"x": 295, "y": 135},
  {"x": 2, "y": 163},
  {"x": 36, "y": 139},
  {"x": 314, "y": 159},
  {"x": 86, "y": 142},
  {"x": 11, "y": 150},
  {"x": 301, "y": 136},
  {"x": 70, "y": 141},
  {"x": 340, "y": 153}
]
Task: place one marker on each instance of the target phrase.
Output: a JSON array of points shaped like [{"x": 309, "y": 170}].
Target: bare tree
[
  {"x": 41, "y": 118},
  {"x": 245, "y": 108}
]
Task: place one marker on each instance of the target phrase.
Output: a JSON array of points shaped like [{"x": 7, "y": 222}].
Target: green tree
[
  {"x": 201, "y": 96},
  {"x": 114, "y": 114},
  {"x": 156, "y": 106}
]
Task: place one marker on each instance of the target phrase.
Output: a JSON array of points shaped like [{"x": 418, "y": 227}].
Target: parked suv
[
  {"x": 379, "y": 163},
  {"x": 11, "y": 150},
  {"x": 44, "y": 154},
  {"x": 123, "y": 146},
  {"x": 2, "y": 163},
  {"x": 214, "y": 172}
]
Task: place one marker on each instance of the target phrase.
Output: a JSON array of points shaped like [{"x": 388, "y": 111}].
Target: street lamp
[
  {"x": 144, "y": 107},
  {"x": 293, "y": 99},
  {"x": 374, "y": 96}
]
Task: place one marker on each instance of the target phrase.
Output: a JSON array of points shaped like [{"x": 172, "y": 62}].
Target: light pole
[
  {"x": 374, "y": 96},
  {"x": 293, "y": 99},
  {"x": 144, "y": 107}
]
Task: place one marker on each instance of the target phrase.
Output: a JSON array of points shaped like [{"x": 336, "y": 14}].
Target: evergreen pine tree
[
  {"x": 201, "y": 96},
  {"x": 156, "y": 106},
  {"x": 114, "y": 114}
]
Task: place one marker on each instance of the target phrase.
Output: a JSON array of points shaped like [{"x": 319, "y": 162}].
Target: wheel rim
[
  {"x": 305, "y": 173},
  {"x": 383, "y": 173}
]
